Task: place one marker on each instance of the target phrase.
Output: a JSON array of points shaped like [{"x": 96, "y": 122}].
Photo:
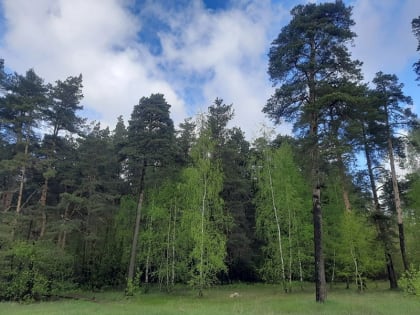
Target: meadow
[{"x": 252, "y": 299}]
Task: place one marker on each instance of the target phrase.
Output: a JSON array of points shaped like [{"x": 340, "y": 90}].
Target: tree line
[{"x": 148, "y": 203}]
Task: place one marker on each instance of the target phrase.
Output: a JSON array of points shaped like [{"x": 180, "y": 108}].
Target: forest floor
[{"x": 252, "y": 299}]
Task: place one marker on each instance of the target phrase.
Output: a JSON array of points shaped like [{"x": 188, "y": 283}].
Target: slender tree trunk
[
  {"x": 358, "y": 276},
  {"x": 149, "y": 249},
  {"x": 203, "y": 208},
  {"x": 133, "y": 254},
  {"x": 397, "y": 204},
  {"x": 168, "y": 249},
  {"x": 43, "y": 203},
  {"x": 320, "y": 282},
  {"x": 290, "y": 248},
  {"x": 380, "y": 225},
  {"x": 298, "y": 250},
  {"x": 333, "y": 270},
  {"x": 63, "y": 240},
  {"x": 22, "y": 179},
  {"x": 64, "y": 234},
  {"x": 21, "y": 185},
  {"x": 6, "y": 200},
  {"x": 278, "y": 225},
  {"x": 173, "y": 247}
]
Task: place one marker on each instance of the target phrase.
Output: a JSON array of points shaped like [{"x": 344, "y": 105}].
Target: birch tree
[
  {"x": 280, "y": 217},
  {"x": 203, "y": 216}
]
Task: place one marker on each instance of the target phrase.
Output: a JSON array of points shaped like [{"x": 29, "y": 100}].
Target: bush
[
  {"x": 410, "y": 281},
  {"x": 33, "y": 271}
]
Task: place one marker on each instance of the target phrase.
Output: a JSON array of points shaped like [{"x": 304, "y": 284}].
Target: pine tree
[
  {"x": 150, "y": 152},
  {"x": 395, "y": 116},
  {"x": 309, "y": 53}
]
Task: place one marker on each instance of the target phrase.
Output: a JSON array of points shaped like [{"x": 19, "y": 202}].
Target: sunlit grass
[{"x": 253, "y": 299}]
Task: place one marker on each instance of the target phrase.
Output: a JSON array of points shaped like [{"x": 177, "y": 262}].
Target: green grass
[{"x": 253, "y": 299}]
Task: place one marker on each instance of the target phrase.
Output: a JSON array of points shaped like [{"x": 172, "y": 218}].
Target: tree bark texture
[
  {"x": 397, "y": 202},
  {"x": 133, "y": 254},
  {"x": 320, "y": 282}
]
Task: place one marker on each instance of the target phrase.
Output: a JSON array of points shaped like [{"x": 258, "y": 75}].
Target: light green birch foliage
[
  {"x": 352, "y": 249},
  {"x": 282, "y": 218},
  {"x": 161, "y": 251},
  {"x": 359, "y": 253},
  {"x": 203, "y": 218},
  {"x": 412, "y": 217}
]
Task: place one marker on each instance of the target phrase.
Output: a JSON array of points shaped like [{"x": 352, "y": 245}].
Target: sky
[{"x": 191, "y": 51}]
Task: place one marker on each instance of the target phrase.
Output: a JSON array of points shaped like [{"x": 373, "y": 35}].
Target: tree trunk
[
  {"x": 6, "y": 200},
  {"x": 22, "y": 179},
  {"x": 173, "y": 247},
  {"x": 135, "y": 239},
  {"x": 391, "y": 271},
  {"x": 203, "y": 208},
  {"x": 397, "y": 204},
  {"x": 290, "y": 248},
  {"x": 168, "y": 249},
  {"x": 344, "y": 189},
  {"x": 43, "y": 203},
  {"x": 133, "y": 255},
  {"x": 278, "y": 226},
  {"x": 147, "y": 267},
  {"x": 380, "y": 225},
  {"x": 320, "y": 282}
]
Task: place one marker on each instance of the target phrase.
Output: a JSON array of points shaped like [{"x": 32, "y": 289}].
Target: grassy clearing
[{"x": 253, "y": 299}]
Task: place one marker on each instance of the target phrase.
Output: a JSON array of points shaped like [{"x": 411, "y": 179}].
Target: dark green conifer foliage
[
  {"x": 151, "y": 150},
  {"x": 416, "y": 30}
]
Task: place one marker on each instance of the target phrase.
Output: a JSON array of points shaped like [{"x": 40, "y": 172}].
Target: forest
[{"x": 148, "y": 204}]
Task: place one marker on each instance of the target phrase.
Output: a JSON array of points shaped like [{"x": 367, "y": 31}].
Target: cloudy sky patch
[{"x": 191, "y": 51}]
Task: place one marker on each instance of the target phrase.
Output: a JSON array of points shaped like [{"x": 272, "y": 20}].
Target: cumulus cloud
[
  {"x": 228, "y": 51},
  {"x": 127, "y": 49},
  {"x": 97, "y": 38}
]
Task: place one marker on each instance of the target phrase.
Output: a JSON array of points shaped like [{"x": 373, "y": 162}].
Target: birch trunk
[
  {"x": 173, "y": 247},
  {"x": 277, "y": 224},
  {"x": 22, "y": 179},
  {"x": 203, "y": 208}
]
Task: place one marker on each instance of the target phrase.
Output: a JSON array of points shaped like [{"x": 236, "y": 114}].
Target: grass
[{"x": 253, "y": 299}]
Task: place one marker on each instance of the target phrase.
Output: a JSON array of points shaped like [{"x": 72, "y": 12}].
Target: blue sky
[{"x": 191, "y": 51}]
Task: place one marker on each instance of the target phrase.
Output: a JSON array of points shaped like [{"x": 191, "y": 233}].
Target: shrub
[
  {"x": 410, "y": 281},
  {"x": 33, "y": 271}
]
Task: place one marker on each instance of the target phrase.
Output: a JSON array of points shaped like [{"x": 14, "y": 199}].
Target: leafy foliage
[
  {"x": 410, "y": 281},
  {"x": 31, "y": 271}
]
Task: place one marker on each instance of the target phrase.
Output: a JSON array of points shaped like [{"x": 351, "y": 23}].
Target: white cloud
[
  {"x": 96, "y": 38},
  {"x": 228, "y": 49},
  {"x": 205, "y": 54},
  {"x": 213, "y": 53}
]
